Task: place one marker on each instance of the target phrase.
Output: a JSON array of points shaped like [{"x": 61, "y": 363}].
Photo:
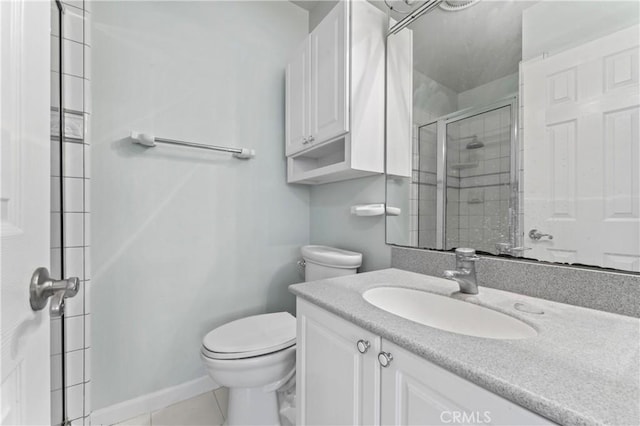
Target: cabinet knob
[
  {"x": 305, "y": 141},
  {"x": 311, "y": 139},
  {"x": 385, "y": 358},
  {"x": 363, "y": 346}
]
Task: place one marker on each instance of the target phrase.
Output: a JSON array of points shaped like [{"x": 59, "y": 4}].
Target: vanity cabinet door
[
  {"x": 329, "y": 76},
  {"x": 417, "y": 392},
  {"x": 298, "y": 93},
  {"x": 336, "y": 384}
]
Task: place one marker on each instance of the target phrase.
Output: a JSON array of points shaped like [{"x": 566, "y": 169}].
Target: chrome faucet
[{"x": 465, "y": 272}]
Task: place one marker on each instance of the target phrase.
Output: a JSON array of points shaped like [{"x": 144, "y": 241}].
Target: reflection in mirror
[{"x": 517, "y": 138}]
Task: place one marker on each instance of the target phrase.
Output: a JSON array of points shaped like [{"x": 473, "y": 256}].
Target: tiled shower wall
[
  {"x": 477, "y": 193},
  {"x": 478, "y": 181},
  {"x": 70, "y": 219}
]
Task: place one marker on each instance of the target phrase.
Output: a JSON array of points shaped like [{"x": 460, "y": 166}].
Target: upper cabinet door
[
  {"x": 297, "y": 100},
  {"x": 329, "y": 75}
]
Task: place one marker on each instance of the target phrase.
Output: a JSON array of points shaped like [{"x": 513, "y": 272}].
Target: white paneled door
[
  {"x": 24, "y": 174},
  {"x": 581, "y": 153}
]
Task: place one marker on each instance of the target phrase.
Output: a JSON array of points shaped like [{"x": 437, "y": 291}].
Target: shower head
[{"x": 475, "y": 143}]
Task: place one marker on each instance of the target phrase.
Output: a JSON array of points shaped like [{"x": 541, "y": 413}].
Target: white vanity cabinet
[
  {"x": 416, "y": 391},
  {"x": 335, "y": 97},
  {"x": 336, "y": 384},
  {"x": 386, "y": 384}
]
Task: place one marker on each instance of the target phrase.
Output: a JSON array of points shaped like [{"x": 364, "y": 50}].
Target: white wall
[
  {"x": 431, "y": 100},
  {"x": 184, "y": 239},
  {"x": 333, "y": 224},
  {"x": 489, "y": 93}
]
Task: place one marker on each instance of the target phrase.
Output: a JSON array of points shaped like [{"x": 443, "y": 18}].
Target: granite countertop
[{"x": 583, "y": 367}]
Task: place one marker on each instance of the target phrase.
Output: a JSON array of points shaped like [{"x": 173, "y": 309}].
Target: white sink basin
[{"x": 448, "y": 314}]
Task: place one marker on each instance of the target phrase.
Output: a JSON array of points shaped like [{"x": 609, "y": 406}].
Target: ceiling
[
  {"x": 309, "y": 5},
  {"x": 465, "y": 49}
]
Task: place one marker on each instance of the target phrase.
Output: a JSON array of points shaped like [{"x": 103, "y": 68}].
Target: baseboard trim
[{"x": 152, "y": 402}]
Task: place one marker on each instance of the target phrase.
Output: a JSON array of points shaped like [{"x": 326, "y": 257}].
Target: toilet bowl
[{"x": 255, "y": 356}]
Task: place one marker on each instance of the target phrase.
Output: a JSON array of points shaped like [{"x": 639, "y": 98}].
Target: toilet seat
[{"x": 251, "y": 336}]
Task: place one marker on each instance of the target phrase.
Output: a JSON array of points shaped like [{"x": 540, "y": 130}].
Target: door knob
[
  {"x": 363, "y": 346},
  {"x": 385, "y": 358},
  {"x": 534, "y": 234},
  {"x": 42, "y": 287}
]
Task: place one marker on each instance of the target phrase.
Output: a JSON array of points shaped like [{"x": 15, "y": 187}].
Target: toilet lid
[{"x": 251, "y": 336}]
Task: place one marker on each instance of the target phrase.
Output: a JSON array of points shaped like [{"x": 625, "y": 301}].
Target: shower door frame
[{"x": 515, "y": 236}]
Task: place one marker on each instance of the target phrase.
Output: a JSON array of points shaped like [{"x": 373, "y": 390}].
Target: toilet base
[{"x": 252, "y": 406}]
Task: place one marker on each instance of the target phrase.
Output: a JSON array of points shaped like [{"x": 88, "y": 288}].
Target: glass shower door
[{"x": 425, "y": 180}]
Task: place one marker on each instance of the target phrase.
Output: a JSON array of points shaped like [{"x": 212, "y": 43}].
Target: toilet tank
[{"x": 329, "y": 262}]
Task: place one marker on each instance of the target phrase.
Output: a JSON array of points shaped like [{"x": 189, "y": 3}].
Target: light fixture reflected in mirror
[
  {"x": 456, "y": 5},
  {"x": 402, "y": 6}
]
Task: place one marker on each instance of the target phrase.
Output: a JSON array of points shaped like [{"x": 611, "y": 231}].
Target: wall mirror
[{"x": 513, "y": 128}]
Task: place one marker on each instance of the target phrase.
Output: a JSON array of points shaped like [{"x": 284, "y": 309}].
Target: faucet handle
[{"x": 467, "y": 254}]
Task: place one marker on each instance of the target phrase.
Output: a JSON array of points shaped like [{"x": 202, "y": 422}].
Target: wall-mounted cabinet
[{"x": 335, "y": 97}]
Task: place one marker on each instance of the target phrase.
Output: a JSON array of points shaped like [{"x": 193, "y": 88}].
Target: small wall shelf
[{"x": 378, "y": 209}]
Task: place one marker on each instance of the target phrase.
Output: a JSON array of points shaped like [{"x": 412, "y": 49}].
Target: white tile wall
[
  {"x": 75, "y": 211},
  {"x": 73, "y": 93},
  {"x": 73, "y": 229},
  {"x": 73, "y": 160},
  {"x": 73, "y": 195},
  {"x": 75, "y": 401},
  {"x": 75, "y": 368},
  {"x": 73, "y": 59},
  {"x": 74, "y": 23},
  {"x": 74, "y": 333}
]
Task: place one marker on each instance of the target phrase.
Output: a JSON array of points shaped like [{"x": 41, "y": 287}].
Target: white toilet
[{"x": 256, "y": 355}]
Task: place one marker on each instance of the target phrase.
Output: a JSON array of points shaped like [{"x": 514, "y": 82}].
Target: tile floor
[{"x": 210, "y": 408}]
